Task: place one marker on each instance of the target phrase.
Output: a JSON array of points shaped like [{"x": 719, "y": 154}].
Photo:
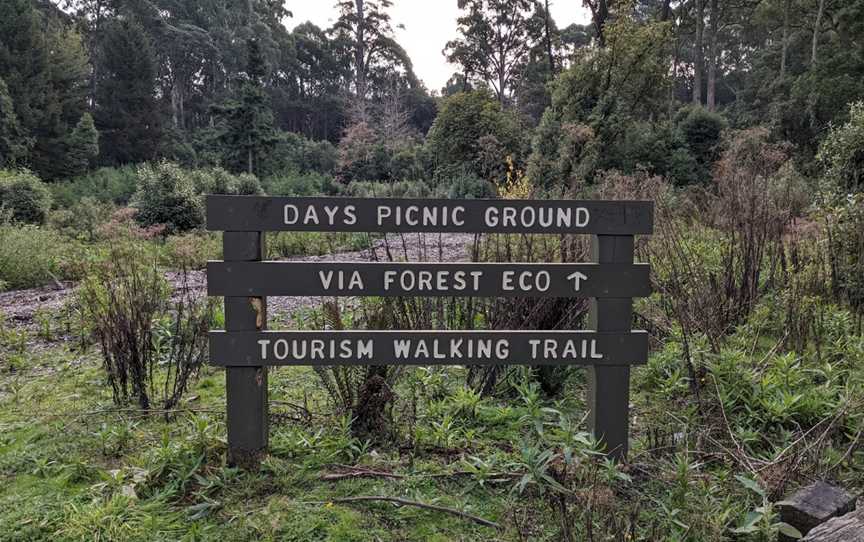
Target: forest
[{"x": 741, "y": 120}]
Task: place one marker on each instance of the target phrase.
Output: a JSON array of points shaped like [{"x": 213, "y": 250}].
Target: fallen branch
[
  {"x": 405, "y": 502},
  {"x": 361, "y": 472}
]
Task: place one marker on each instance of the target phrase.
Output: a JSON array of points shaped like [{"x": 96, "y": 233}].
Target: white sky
[{"x": 429, "y": 25}]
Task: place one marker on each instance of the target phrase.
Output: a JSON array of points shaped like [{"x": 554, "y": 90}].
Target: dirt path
[{"x": 20, "y": 308}]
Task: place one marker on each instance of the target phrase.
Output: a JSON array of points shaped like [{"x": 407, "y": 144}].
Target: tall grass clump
[
  {"x": 152, "y": 344},
  {"x": 32, "y": 256}
]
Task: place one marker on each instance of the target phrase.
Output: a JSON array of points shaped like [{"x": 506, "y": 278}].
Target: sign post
[
  {"x": 609, "y": 347},
  {"x": 246, "y": 386}
]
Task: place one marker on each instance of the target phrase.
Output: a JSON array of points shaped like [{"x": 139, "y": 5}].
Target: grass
[{"x": 74, "y": 467}]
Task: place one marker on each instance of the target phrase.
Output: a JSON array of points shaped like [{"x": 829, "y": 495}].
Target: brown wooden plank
[
  {"x": 321, "y": 348},
  {"x": 426, "y": 279},
  {"x": 263, "y": 213}
]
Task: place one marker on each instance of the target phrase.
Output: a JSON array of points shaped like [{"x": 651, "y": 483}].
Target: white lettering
[{"x": 264, "y": 343}]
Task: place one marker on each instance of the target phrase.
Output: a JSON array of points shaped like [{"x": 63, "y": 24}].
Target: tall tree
[
  {"x": 245, "y": 132},
  {"x": 14, "y": 143},
  {"x": 784, "y": 53},
  {"x": 599, "y": 16},
  {"x": 714, "y": 20},
  {"x": 127, "y": 112},
  {"x": 547, "y": 36},
  {"x": 817, "y": 28},
  {"x": 365, "y": 30},
  {"x": 82, "y": 146},
  {"x": 44, "y": 65},
  {"x": 698, "y": 51},
  {"x": 495, "y": 37}
]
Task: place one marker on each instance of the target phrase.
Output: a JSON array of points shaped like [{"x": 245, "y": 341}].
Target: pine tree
[
  {"x": 82, "y": 146},
  {"x": 128, "y": 115},
  {"x": 14, "y": 145},
  {"x": 246, "y": 133},
  {"x": 44, "y": 66}
]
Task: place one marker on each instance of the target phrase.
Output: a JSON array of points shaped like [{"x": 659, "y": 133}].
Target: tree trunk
[
  {"x": 251, "y": 164},
  {"x": 665, "y": 11},
  {"x": 94, "y": 58},
  {"x": 816, "y": 27},
  {"x": 360, "y": 59},
  {"x": 549, "y": 44},
  {"x": 785, "y": 50},
  {"x": 599, "y": 14},
  {"x": 712, "y": 58},
  {"x": 699, "y": 57}
]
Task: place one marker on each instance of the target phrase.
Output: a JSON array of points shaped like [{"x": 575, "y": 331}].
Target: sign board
[
  {"x": 261, "y": 213},
  {"x": 322, "y": 348},
  {"x": 611, "y": 280},
  {"x": 259, "y": 279}
]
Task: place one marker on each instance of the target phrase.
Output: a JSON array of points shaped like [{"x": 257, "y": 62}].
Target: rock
[
  {"x": 848, "y": 528},
  {"x": 814, "y": 505}
]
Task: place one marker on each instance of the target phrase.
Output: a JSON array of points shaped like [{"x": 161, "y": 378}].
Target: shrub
[
  {"x": 362, "y": 155},
  {"x": 305, "y": 155},
  {"x": 82, "y": 220},
  {"x": 30, "y": 255},
  {"x": 302, "y": 184},
  {"x": 141, "y": 330},
  {"x": 24, "y": 196},
  {"x": 402, "y": 189},
  {"x": 468, "y": 124},
  {"x": 167, "y": 195},
  {"x": 220, "y": 181},
  {"x": 467, "y": 185},
  {"x": 841, "y": 154},
  {"x": 192, "y": 250},
  {"x": 107, "y": 184}
]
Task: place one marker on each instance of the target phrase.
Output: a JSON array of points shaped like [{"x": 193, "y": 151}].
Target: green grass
[{"x": 73, "y": 467}]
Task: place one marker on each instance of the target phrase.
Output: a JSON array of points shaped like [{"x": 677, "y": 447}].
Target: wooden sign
[
  {"x": 260, "y": 213},
  {"x": 426, "y": 279},
  {"x": 322, "y": 348},
  {"x": 610, "y": 281}
]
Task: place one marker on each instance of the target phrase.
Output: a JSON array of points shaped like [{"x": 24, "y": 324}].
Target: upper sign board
[{"x": 263, "y": 213}]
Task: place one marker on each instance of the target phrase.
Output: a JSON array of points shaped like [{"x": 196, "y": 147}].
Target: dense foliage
[{"x": 743, "y": 122}]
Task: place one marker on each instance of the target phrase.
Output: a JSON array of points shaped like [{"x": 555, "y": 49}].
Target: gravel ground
[{"x": 20, "y": 307}]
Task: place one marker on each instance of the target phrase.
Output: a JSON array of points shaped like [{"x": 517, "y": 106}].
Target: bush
[
  {"x": 220, "y": 181},
  {"x": 107, "y": 185},
  {"x": 841, "y": 154},
  {"x": 82, "y": 220},
  {"x": 302, "y": 184},
  {"x": 167, "y": 195},
  {"x": 30, "y": 256},
  {"x": 192, "y": 250},
  {"x": 467, "y": 185},
  {"x": 24, "y": 196},
  {"x": 305, "y": 155},
  {"x": 702, "y": 131},
  {"x": 402, "y": 189},
  {"x": 467, "y": 124},
  {"x": 141, "y": 331}
]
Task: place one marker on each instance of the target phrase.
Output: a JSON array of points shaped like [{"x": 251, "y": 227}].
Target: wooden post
[
  {"x": 246, "y": 387},
  {"x": 609, "y": 386}
]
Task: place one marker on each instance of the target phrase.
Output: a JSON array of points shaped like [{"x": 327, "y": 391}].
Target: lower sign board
[
  {"x": 258, "y": 279},
  {"x": 318, "y": 348}
]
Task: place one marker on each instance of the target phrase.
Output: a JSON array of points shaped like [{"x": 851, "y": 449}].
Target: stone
[
  {"x": 848, "y": 528},
  {"x": 815, "y": 504}
]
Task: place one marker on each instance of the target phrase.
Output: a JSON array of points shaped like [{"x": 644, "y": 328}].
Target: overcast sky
[{"x": 429, "y": 25}]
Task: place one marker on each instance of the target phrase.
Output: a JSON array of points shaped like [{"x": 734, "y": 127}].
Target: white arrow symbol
[{"x": 577, "y": 278}]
